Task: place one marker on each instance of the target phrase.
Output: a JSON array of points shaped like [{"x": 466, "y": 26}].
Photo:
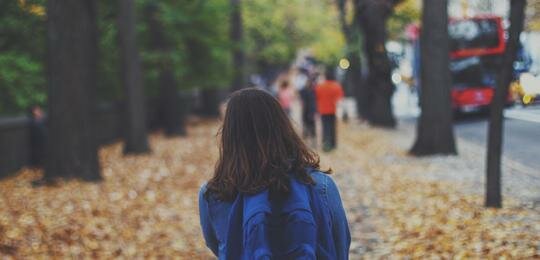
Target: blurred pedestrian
[
  {"x": 286, "y": 96},
  {"x": 309, "y": 109},
  {"x": 328, "y": 93},
  {"x": 300, "y": 78},
  {"x": 268, "y": 198}
]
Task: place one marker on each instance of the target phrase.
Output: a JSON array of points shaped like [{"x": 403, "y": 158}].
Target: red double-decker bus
[{"x": 477, "y": 46}]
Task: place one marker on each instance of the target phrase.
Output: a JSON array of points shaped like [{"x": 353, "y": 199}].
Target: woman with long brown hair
[{"x": 268, "y": 197}]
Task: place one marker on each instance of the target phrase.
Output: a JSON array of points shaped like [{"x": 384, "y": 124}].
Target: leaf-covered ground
[
  {"x": 147, "y": 205},
  {"x": 397, "y": 211}
]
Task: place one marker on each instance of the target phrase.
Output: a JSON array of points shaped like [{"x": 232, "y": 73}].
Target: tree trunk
[
  {"x": 379, "y": 89},
  {"x": 135, "y": 137},
  {"x": 72, "y": 65},
  {"x": 210, "y": 99},
  {"x": 435, "y": 130},
  {"x": 172, "y": 111},
  {"x": 353, "y": 76},
  {"x": 237, "y": 35},
  {"x": 351, "y": 31},
  {"x": 495, "y": 136},
  {"x": 354, "y": 82}
]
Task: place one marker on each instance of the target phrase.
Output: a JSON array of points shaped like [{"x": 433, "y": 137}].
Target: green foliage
[
  {"x": 197, "y": 33},
  {"x": 109, "y": 87},
  {"x": 21, "y": 82},
  {"x": 22, "y": 46},
  {"x": 329, "y": 46},
  {"x": 277, "y": 29},
  {"x": 532, "y": 23},
  {"x": 404, "y": 14}
]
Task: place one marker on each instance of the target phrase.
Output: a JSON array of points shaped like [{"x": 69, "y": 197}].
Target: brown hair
[
  {"x": 259, "y": 149},
  {"x": 284, "y": 84}
]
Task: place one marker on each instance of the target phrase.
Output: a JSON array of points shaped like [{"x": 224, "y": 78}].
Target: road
[
  {"x": 521, "y": 134},
  {"x": 521, "y": 128}
]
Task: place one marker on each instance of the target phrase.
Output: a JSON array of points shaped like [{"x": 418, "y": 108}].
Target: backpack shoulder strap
[
  {"x": 234, "y": 240},
  {"x": 248, "y": 212}
]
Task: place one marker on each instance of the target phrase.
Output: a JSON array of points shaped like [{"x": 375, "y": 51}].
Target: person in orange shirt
[{"x": 328, "y": 93}]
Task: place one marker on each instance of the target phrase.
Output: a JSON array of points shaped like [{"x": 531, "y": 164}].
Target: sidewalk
[
  {"x": 404, "y": 206},
  {"x": 530, "y": 114},
  {"x": 146, "y": 207}
]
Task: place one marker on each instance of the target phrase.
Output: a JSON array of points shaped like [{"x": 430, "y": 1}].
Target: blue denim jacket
[{"x": 214, "y": 217}]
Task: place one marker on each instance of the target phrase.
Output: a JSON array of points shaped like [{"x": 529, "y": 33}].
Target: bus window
[{"x": 476, "y": 37}]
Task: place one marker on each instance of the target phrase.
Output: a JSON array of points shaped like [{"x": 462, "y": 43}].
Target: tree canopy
[
  {"x": 277, "y": 29},
  {"x": 22, "y": 50},
  {"x": 197, "y": 31},
  {"x": 404, "y": 14}
]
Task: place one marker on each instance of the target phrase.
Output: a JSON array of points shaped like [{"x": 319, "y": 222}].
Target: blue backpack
[{"x": 299, "y": 227}]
